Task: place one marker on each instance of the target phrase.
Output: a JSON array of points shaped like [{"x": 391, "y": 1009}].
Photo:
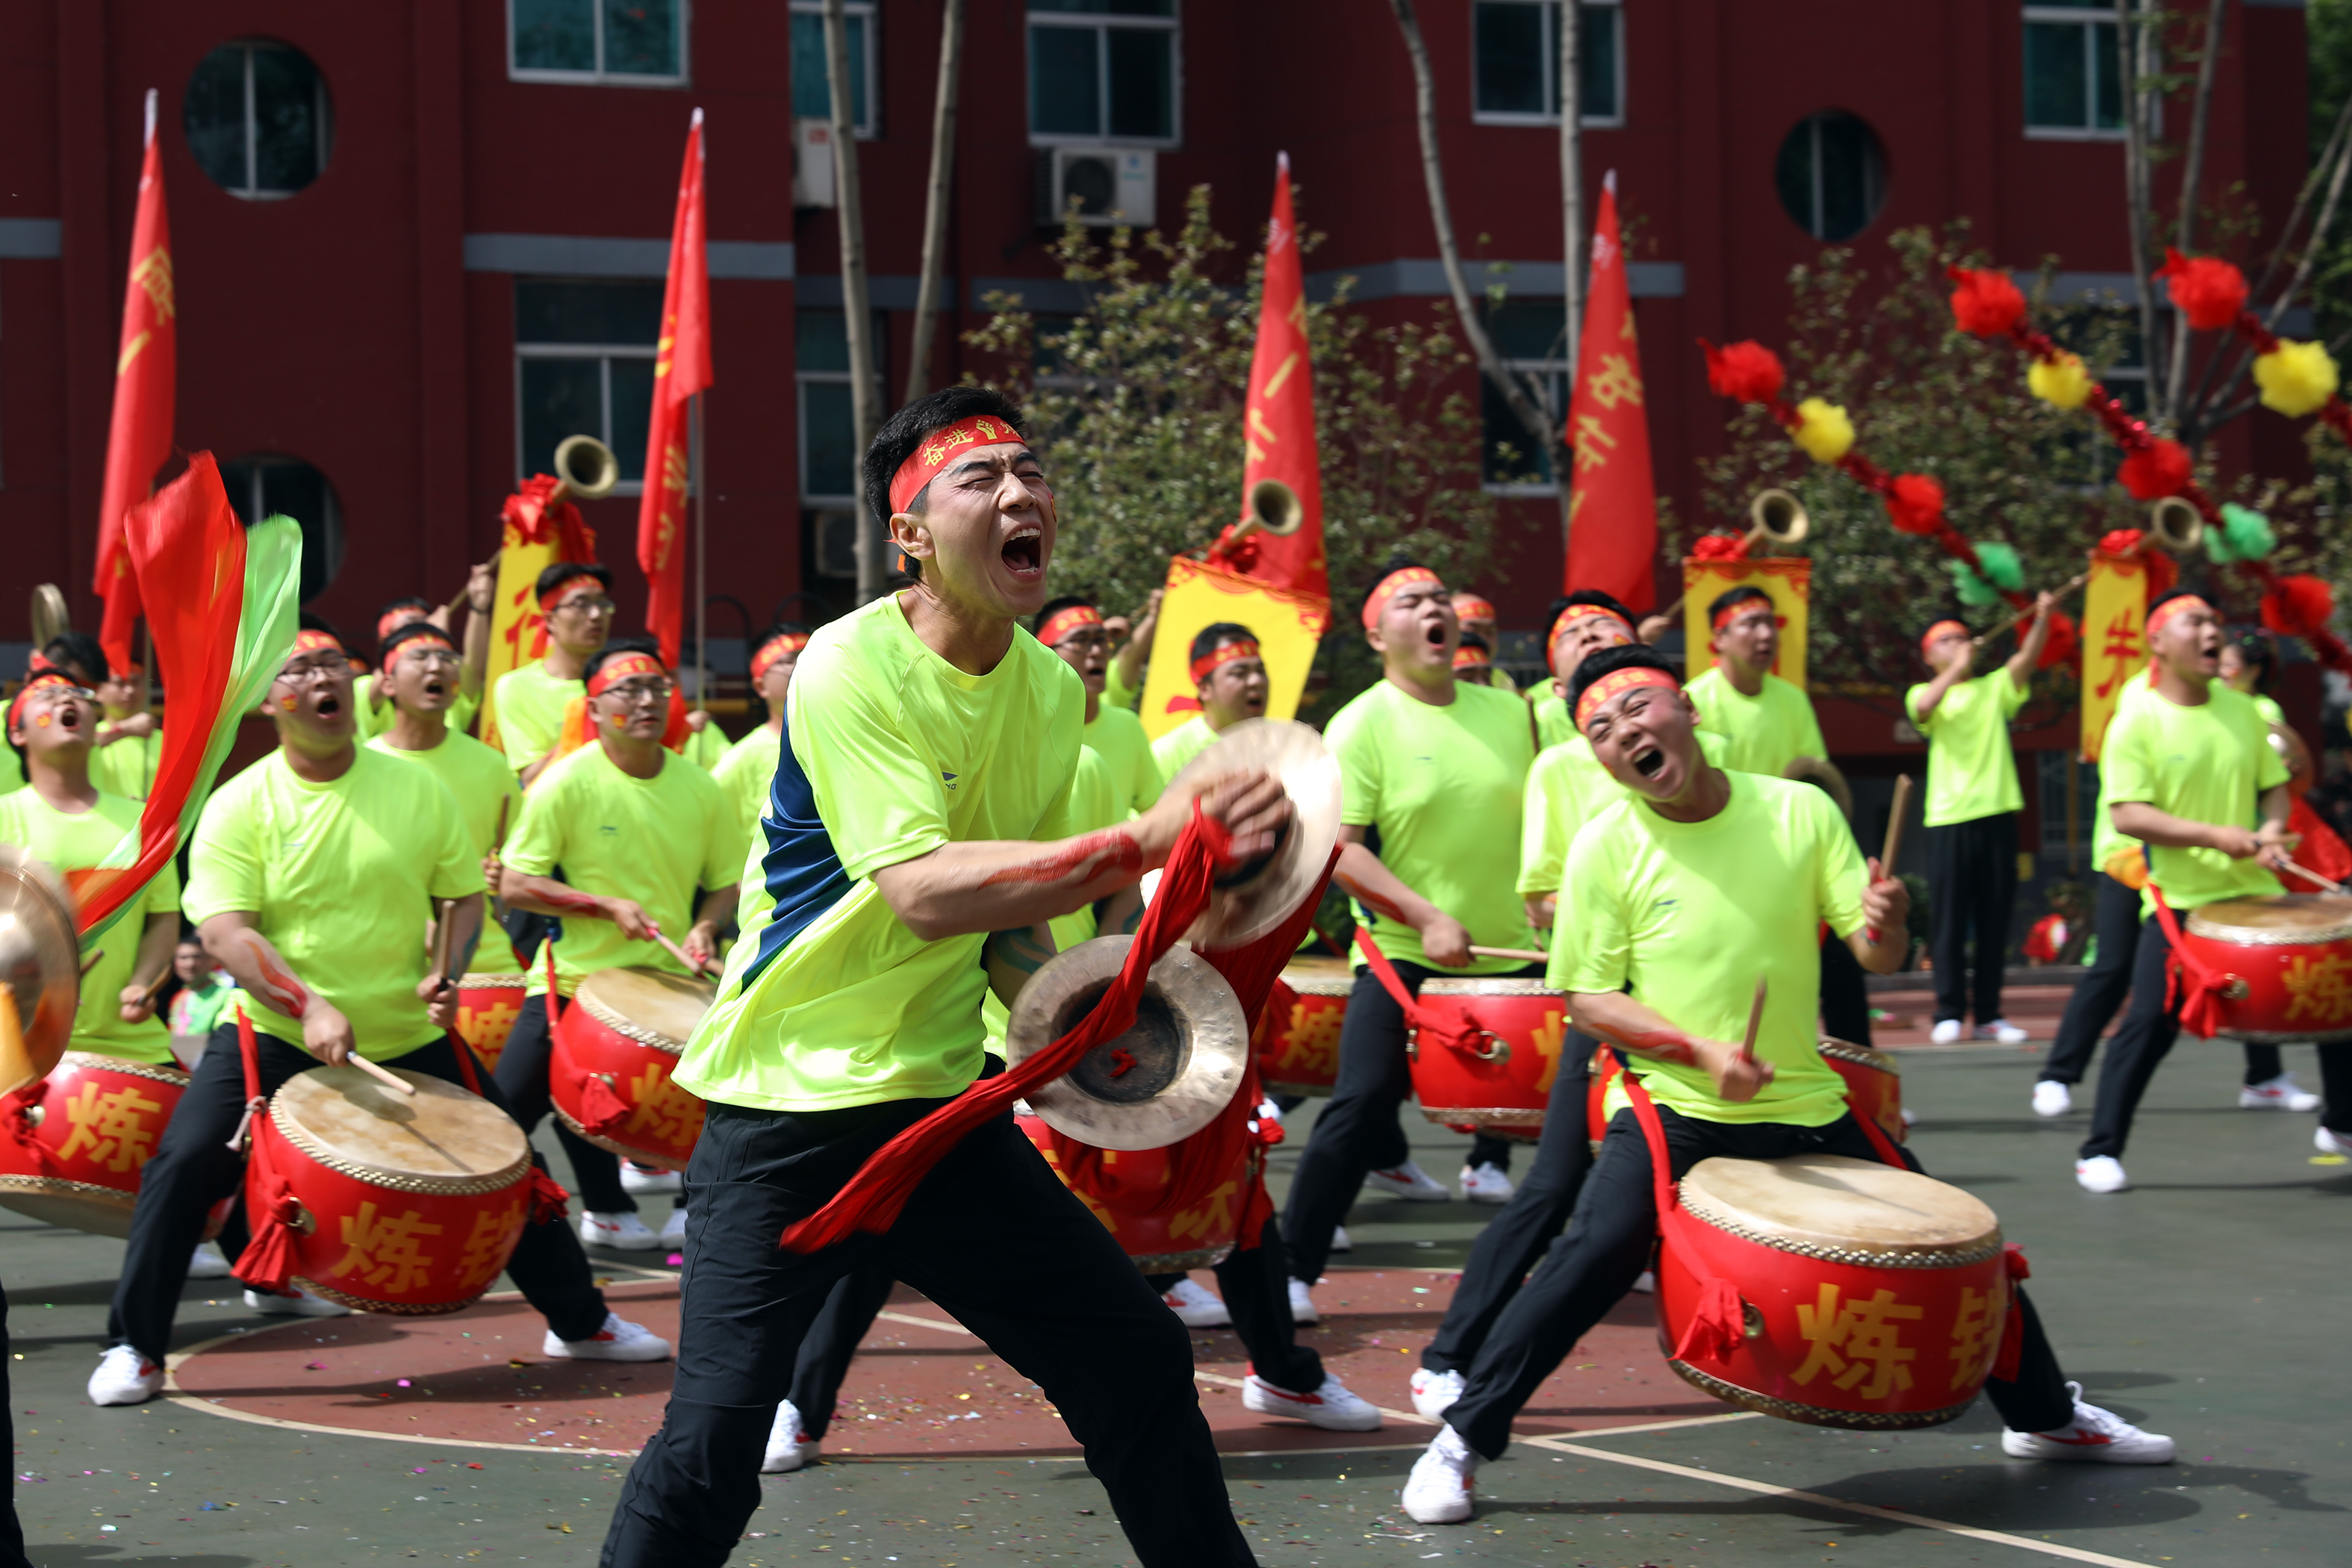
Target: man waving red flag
[
  {"x": 1613, "y": 533},
  {"x": 681, "y": 369},
  {"x": 144, "y": 374}
]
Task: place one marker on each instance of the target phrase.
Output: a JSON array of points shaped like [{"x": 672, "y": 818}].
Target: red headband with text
[
  {"x": 1575, "y": 613},
  {"x": 1469, "y": 658},
  {"x": 624, "y": 667},
  {"x": 1072, "y": 619},
  {"x": 313, "y": 641},
  {"x": 2157, "y": 616},
  {"x": 1618, "y": 681},
  {"x": 942, "y": 447},
  {"x": 44, "y": 674},
  {"x": 1470, "y": 608},
  {"x": 555, "y": 591},
  {"x": 775, "y": 649},
  {"x": 393, "y": 620},
  {"x": 1224, "y": 653},
  {"x": 429, "y": 638},
  {"x": 1730, "y": 613},
  {"x": 1390, "y": 586},
  {"x": 1928, "y": 638}
]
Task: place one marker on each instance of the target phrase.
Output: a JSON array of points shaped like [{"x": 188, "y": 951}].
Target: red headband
[
  {"x": 1224, "y": 653},
  {"x": 1468, "y": 657},
  {"x": 1620, "y": 680},
  {"x": 1928, "y": 638},
  {"x": 1470, "y": 608},
  {"x": 554, "y": 593},
  {"x": 47, "y": 676},
  {"x": 2166, "y": 610},
  {"x": 938, "y": 449},
  {"x": 622, "y": 667},
  {"x": 430, "y": 635},
  {"x": 1390, "y": 586},
  {"x": 311, "y": 642},
  {"x": 775, "y": 649},
  {"x": 1075, "y": 617},
  {"x": 1576, "y": 613},
  {"x": 1730, "y": 613},
  {"x": 392, "y": 621}
]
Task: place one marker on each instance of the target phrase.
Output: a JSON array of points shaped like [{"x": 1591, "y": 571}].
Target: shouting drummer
[
  {"x": 921, "y": 804},
  {"x": 1229, "y": 681},
  {"x": 1685, "y": 892},
  {"x": 634, "y": 829},
  {"x": 576, "y": 599},
  {"x": 311, "y": 878}
]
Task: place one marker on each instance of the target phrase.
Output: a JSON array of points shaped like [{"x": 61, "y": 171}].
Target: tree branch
[
  {"x": 2191, "y": 176},
  {"x": 935, "y": 204},
  {"x": 2133, "y": 45},
  {"x": 864, "y": 405}
]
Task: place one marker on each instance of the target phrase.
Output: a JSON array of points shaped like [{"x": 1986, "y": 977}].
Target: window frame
[
  {"x": 1551, "y": 10},
  {"x": 1101, "y": 23},
  {"x": 604, "y": 354},
  {"x": 2090, "y": 21},
  {"x": 255, "y": 482},
  {"x": 324, "y": 110},
  {"x": 869, "y": 128},
  {"x": 812, "y": 500},
  {"x": 599, "y": 76}
]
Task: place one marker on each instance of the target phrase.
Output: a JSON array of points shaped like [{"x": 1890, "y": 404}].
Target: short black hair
[
  {"x": 2261, "y": 654},
  {"x": 305, "y": 621},
  {"x": 781, "y": 629},
  {"x": 1595, "y": 596},
  {"x": 1394, "y": 564},
  {"x": 616, "y": 648},
  {"x": 2169, "y": 595},
  {"x": 1215, "y": 636},
  {"x": 403, "y": 634},
  {"x": 1624, "y": 656},
  {"x": 905, "y": 430},
  {"x": 1731, "y": 598},
  {"x": 80, "y": 649},
  {"x": 1472, "y": 639},
  {"x": 563, "y": 572},
  {"x": 412, "y": 601},
  {"x": 1056, "y": 606}
]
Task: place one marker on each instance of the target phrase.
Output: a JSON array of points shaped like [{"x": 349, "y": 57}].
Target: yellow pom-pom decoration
[
  {"x": 2061, "y": 383},
  {"x": 1826, "y": 434},
  {"x": 2296, "y": 378}
]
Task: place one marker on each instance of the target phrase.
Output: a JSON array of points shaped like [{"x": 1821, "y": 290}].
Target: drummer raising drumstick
[{"x": 1684, "y": 892}]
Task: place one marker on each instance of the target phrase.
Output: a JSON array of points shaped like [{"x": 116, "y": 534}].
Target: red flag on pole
[
  {"x": 1612, "y": 537},
  {"x": 681, "y": 369},
  {"x": 141, "y": 437}
]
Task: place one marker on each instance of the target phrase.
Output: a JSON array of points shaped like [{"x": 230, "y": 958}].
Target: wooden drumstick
[
  {"x": 677, "y": 952},
  {"x": 2307, "y": 874},
  {"x": 1523, "y": 954},
  {"x": 90, "y": 962},
  {"x": 444, "y": 922},
  {"x": 2073, "y": 583},
  {"x": 1755, "y": 1017},
  {"x": 1895, "y": 826},
  {"x": 156, "y": 984},
  {"x": 389, "y": 1080}
]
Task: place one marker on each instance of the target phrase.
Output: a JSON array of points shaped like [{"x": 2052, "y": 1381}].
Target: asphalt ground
[{"x": 2208, "y": 1303}]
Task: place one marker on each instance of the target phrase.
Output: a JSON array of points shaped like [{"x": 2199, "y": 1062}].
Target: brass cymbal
[
  {"x": 1253, "y": 899},
  {"x": 1156, "y": 1084},
  {"x": 39, "y": 964}
]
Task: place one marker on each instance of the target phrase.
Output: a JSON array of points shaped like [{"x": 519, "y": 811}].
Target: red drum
[
  {"x": 1874, "y": 1084},
  {"x": 614, "y": 1050},
  {"x": 1871, "y": 1297},
  {"x": 72, "y": 1146},
  {"x": 1159, "y": 1244},
  {"x": 1505, "y": 1085},
  {"x": 1298, "y": 1048},
  {"x": 2288, "y": 959},
  {"x": 488, "y": 1006},
  {"x": 408, "y": 1204}
]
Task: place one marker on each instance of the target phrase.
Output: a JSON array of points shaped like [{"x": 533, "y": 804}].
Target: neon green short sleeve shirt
[
  {"x": 745, "y": 772},
  {"x": 1116, "y": 736},
  {"x": 1117, "y": 693},
  {"x": 478, "y": 779},
  {"x": 529, "y": 704},
  {"x": 378, "y": 721},
  {"x": 2106, "y": 843},
  {"x": 1553, "y": 725},
  {"x": 1171, "y": 751},
  {"x": 1567, "y": 788},
  {"x": 2208, "y": 763},
  {"x": 77, "y": 841},
  {"x": 1971, "y": 772},
  {"x": 126, "y": 768},
  {"x": 1767, "y": 732}
]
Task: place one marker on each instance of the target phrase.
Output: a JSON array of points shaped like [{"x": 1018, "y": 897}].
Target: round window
[
  {"x": 1831, "y": 173},
  {"x": 257, "y": 119},
  {"x": 265, "y": 485}
]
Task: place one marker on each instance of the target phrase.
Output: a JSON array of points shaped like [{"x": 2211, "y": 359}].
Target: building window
[
  {"x": 2073, "y": 70},
  {"x": 1832, "y": 174},
  {"x": 265, "y": 485},
  {"x": 584, "y": 366},
  {"x": 258, "y": 119},
  {"x": 811, "y": 91},
  {"x": 1515, "y": 45},
  {"x": 1103, "y": 70},
  {"x": 1532, "y": 340},
  {"x": 598, "y": 40}
]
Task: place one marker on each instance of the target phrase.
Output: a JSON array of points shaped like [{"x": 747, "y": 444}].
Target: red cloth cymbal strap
[
  {"x": 1430, "y": 1026},
  {"x": 1224, "y": 653}
]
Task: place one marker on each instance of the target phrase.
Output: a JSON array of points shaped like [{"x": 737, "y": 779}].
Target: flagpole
[{"x": 701, "y": 558}]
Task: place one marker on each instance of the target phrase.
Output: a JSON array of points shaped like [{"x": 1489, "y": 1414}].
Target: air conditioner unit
[
  {"x": 1109, "y": 185},
  {"x": 813, "y": 164},
  {"x": 837, "y": 544}
]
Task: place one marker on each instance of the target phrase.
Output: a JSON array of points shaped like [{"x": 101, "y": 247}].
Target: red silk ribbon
[
  {"x": 1428, "y": 1026},
  {"x": 2190, "y": 984}
]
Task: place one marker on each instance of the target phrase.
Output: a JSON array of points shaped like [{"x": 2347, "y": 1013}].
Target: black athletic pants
[
  {"x": 1357, "y": 1131},
  {"x": 193, "y": 1169},
  {"x": 1607, "y": 1246},
  {"x": 1255, "y": 1285},
  {"x": 833, "y": 1340},
  {"x": 2115, "y": 919},
  {"x": 1971, "y": 892},
  {"x": 523, "y": 1079},
  {"x": 992, "y": 1237},
  {"x": 12, "y": 1534},
  {"x": 1538, "y": 1211},
  {"x": 1845, "y": 994}
]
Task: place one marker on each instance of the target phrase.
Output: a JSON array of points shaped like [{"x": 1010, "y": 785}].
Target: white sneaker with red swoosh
[
  {"x": 1331, "y": 1407},
  {"x": 2094, "y": 1436}
]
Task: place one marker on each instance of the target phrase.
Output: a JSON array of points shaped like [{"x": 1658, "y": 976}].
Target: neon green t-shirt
[
  {"x": 12, "y": 773},
  {"x": 342, "y": 877},
  {"x": 1691, "y": 913},
  {"x": 1553, "y": 725},
  {"x": 2107, "y": 840},
  {"x": 890, "y": 752},
  {"x": 1567, "y": 788},
  {"x": 1441, "y": 785},
  {"x": 2269, "y": 709},
  {"x": 1116, "y": 736},
  {"x": 708, "y": 747},
  {"x": 529, "y": 704},
  {"x": 1117, "y": 693},
  {"x": 2208, "y": 763},
  {"x": 1767, "y": 730},
  {"x": 1093, "y": 803},
  {"x": 745, "y": 774},
  {"x": 1172, "y": 750},
  {"x": 74, "y": 841},
  {"x": 651, "y": 841},
  {"x": 126, "y": 768},
  {"x": 378, "y": 721},
  {"x": 478, "y": 779},
  {"x": 1971, "y": 772}
]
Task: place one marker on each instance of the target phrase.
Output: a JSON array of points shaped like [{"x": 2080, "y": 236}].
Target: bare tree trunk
[
  {"x": 2192, "y": 173},
  {"x": 2135, "y": 43},
  {"x": 864, "y": 403},
  {"x": 935, "y": 207},
  {"x": 1571, "y": 177}
]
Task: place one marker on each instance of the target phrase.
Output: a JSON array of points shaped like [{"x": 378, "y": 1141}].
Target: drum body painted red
[
  {"x": 609, "y": 1072},
  {"x": 488, "y": 1006},
  {"x": 1506, "y": 1083},
  {"x": 1874, "y": 1084},
  {"x": 2288, "y": 960},
  {"x": 72, "y": 1146},
  {"x": 1299, "y": 1046},
  {"x": 1131, "y": 1181}
]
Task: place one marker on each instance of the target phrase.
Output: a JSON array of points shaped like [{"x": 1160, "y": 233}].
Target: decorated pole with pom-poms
[{"x": 2295, "y": 378}]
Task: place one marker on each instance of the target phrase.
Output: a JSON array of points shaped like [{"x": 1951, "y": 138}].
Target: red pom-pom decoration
[
  {"x": 2298, "y": 607},
  {"x": 2064, "y": 643},
  {"x": 2208, "y": 290},
  {"x": 2159, "y": 469},
  {"x": 1747, "y": 370},
  {"x": 1985, "y": 303},
  {"x": 1719, "y": 547},
  {"x": 2163, "y": 572},
  {"x": 2120, "y": 540},
  {"x": 1915, "y": 504}
]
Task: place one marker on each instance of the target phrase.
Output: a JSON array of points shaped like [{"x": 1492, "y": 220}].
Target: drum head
[
  {"x": 2282, "y": 919},
  {"x": 1839, "y": 1050},
  {"x": 440, "y": 1138},
  {"x": 1491, "y": 986},
  {"x": 650, "y": 1006},
  {"x": 1819, "y": 1204},
  {"x": 1319, "y": 976}
]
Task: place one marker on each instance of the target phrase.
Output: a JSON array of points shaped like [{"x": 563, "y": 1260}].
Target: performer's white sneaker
[
  {"x": 2328, "y": 1142},
  {"x": 2102, "y": 1173},
  {"x": 2052, "y": 1097},
  {"x": 1302, "y": 1304},
  {"x": 618, "y": 1340},
  {"x": 298, "y": 1304},
  {"x": 1409, "y": 1182},
  {"x": 2281, "y": 1093},
  {"x": 1486, "y": 1184},
  {"x": 2094, "y": 1436},
  {"x": 1646, "y": 1284},
  {"x": 673, "y": 1230},
  {"x": 1433, "y": 1393},
  {"x": 1439, "y": 1489},
  {"x": 2001, "y": 1029},
  {"x": 208, "y": 1263},
  {"x": 1331, "y": 1407},
  {"x": 640, "y": 1180},
  {"x": 1196, "y": 1306},
  {"x": 124, "y": 1377},
  {"x": 1340, "y": 1239},
  {"x": 1947, "y": 1032},
  {"x": 789, "y": 1446},
  {"x": 623, "y": 1232}
]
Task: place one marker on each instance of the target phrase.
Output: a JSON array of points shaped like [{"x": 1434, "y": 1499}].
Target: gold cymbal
[
  {"x": 40, "y": 964},
  {"x": 1156, "y": 1084},
  {"x": 1251, "y": 900}
]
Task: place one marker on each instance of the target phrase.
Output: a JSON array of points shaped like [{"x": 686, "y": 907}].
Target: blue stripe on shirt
[{"x": 801, "y": 872}]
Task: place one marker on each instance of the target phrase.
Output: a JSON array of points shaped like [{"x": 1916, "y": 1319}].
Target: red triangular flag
[
  {"x": 1612, "y": 537},
  {"x": 144, "y": 374},
  {"x": 681, "y": 369}
]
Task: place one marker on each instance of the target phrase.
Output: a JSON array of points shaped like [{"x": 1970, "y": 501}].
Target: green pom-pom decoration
[
  {"x": 1973, "y": 590},
  {"x": 2001, "y": 567},
  {"x": 2246, "y": 535}
]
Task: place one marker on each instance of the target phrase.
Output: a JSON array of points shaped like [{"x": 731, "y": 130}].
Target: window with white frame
[
  {"x": 269, "y": 484},
  {"x": 1531, "y": 339},
  {"x": 2073, "y": 70},
  {"x": 620, "y": 41},
  {"x": 812, "y": 88},
  {"x": 1103, "y": 70},
  {"x": 1515, "y": 53},
  {"x": 257, "y": 119},
  {"x": 584, "y": 366}
]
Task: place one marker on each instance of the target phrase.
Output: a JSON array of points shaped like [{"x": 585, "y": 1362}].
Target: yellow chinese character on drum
[
  {"x": 112, "y": 1127},
  {"x": 1312, "y": 1043},
  {"x": 668, "y": 1112},
  {"x": 1548, "y": 1035},
  {"x": 386, "y": 1252},
  {"x": 487, "y": 1030},
  {"x": 1093, "y": 1205},
  {"x": 1976, "y": 1334},
  {"x": 489, "y": 1247},
  {"x": 1857, "y": 1341},
  {"x": 1214, "y": 1218},
  {"x": 2317, "y": 988}
]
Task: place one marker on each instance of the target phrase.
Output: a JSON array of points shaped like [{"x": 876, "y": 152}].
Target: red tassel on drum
[
  {"x": 549, "y": 1197},
  {"x": 1719, "y": 1323},
  {"x": 16, "y": 1114},
  {"x": 600, "y": 1109},
  {"x": 268, "y": 1261},
  {"x": 2012, "y": 1327}
]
